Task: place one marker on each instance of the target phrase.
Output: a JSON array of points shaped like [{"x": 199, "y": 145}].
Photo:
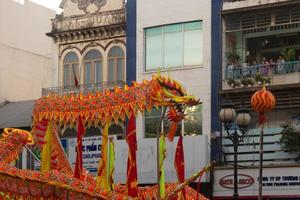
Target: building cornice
[
  {"x": 101, "y": 32},
  {"x": 105, "y": 24}
]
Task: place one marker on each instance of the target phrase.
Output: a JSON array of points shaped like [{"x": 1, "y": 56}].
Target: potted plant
[
  {"x": 231, "y": 82},
  {"x": 250, "y": 82},
  {"x": 289, "y": 54},
  {"x": 267, "y": 80},
  {"x": 237, "y": 83},
  {"x": 247, "y": 82},
  {"x": 233, "y": 58},
  {"x": 259, "y": 79}
]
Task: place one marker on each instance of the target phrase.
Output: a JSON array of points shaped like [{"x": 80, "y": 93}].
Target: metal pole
[
  {"x": 235, "y": 146},
  {"x": 158, "y": 131},
  {"x": 261, "y": 150}
]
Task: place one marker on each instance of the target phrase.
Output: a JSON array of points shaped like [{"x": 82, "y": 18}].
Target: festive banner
[
  {"x": 102, "y": 179},
  {"x": 162, "y": 156},
  {"x": 179, "y": 165},
  {"x": 78, "y": 166},
  {"x": 111, "y": 164},
  {"x": 131, "y": 183},
  {"x": 46, "y": 153}
]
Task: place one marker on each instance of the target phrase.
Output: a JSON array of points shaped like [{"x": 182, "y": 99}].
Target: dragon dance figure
[{"x": 93, "y": 108}]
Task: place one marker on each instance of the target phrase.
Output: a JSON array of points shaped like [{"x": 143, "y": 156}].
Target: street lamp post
[{"x": 242, "y": 119}]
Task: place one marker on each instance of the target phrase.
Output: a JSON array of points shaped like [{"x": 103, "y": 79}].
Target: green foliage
[
  {"x": 259, "y": 78},
  {"x": 289, "y": 54},
  {"x": 263, "y": 79},
  {"x": 247, "y": 81},
  {"x": 232, "y": 57},
  {"x": 290, "y": 140},
  {"x": 233, "y": 83}
]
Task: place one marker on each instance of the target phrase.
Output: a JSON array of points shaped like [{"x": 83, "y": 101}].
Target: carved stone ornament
[{"x": 84, "y": 4}]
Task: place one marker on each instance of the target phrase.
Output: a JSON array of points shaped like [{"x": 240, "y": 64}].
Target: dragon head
[
  {"x": 170, "y": 93},
  {"x": 12, "y": 142},
  {"x": 18, "y": 136}
]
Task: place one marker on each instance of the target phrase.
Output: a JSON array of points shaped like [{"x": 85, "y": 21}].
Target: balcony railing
[
  {"x": 262, "y": 69},
  {"x": 83, "y": 88}
]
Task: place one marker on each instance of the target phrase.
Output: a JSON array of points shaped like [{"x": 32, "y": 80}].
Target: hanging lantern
[{"x": 262, "y": 101}]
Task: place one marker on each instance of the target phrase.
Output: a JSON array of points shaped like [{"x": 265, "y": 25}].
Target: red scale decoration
[{"x": 262, "y": 101}]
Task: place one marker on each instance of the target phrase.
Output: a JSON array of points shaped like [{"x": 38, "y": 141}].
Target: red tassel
[{"x": 262, "y": 118}]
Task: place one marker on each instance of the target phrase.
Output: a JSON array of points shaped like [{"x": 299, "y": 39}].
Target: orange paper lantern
[{"x": 262, "y": 101}]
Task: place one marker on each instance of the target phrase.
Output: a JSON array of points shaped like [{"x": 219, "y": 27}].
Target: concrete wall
[
  {"x": 197, "y": 80},
  {"x": 25, "y": 50}
]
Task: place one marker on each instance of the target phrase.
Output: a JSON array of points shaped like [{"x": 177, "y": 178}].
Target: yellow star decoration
[{"x": 134, "y": 184}]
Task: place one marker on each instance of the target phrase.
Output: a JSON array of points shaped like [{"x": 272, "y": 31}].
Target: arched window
[
  {"x": 93, "y": 67},
  {"x": 117, "y": 129},
  {"x": 70, "y": 64},
  {"x": 116, "y": 64}
]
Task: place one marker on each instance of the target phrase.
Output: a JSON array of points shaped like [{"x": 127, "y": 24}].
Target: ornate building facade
[{"x": 89, "y": 41}]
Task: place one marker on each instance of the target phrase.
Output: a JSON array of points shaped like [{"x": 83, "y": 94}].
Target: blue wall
[
  {"x": 216, "y": 81},
  {"x": 131, "y": 42},
  {"x": 215, "y": 64}
]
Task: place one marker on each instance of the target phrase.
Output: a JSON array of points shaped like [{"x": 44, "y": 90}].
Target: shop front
[{"x": 278, "y": 183}]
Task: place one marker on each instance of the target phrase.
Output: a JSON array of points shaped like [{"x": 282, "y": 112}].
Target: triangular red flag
[
  {"x": 131, "y": 182},
  {"x": 179, "y": 162},
  {"x": 79, "y": 163}
]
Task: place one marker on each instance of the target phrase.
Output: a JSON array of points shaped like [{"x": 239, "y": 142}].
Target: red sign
[{"x": 243, "y": 181}]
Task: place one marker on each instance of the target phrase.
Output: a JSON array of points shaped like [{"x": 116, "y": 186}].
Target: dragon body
[{"x": 93, "y": 108}]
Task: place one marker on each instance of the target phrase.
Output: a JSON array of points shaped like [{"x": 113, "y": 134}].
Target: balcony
[
  {"x": 273, "y": 74},
  {"x": 83, "y": 88},
  {"x": 242, "y": 4}
]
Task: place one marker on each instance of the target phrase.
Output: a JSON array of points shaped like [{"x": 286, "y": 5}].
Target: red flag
[
  {"x": 75, "y": 77},
  {"x": 179, "y": 162},
  {"x": 78, "y": 165},
  {"x": 131, "y": 183}
]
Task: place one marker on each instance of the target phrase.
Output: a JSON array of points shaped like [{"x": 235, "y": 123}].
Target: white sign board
[
  {"x": 283, "y": 182},
  {"x": 91, "y": 151},
  {"x": 195, "y": 152}
]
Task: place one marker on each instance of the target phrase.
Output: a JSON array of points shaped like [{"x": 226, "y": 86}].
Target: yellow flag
[
  {"x": 102, "y": 179},
  {"x": 111, "y": 165},
  {"x": 46, "y": 152},
  {"x": 162, "y": 155}
]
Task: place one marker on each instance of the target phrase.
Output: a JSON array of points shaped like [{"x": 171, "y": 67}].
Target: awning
[{"x": 16, "y": 114}]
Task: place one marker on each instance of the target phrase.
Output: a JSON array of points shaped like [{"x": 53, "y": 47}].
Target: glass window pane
[
  {"x": 153, "y": 113},
  {"x": 88, "y": 73},
  {"x": 193, "y": 26},
  {"x": 193, "y": 47},
  {"x": 174, "y": 28},
  {"x": 173, "y": 46},
  {"x": 120, "y": 69},
  {"x": 74, "y": 68},
  {"x": 66, "y": 75},
  {"x": 116, "y": 51},
  {"x": 99, "y": 72},
  {"x": 92, "y": 55},
  {"x": 111, "y": 64},
  {"x": 71, "y": 57},
  {"x": 154, "y": 48},
  {"x": 151, "y": 126},
  {"x": 193, "y": 121}
]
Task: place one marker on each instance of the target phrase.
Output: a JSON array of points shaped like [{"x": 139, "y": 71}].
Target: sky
[{"x": 53, "y": 4}]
